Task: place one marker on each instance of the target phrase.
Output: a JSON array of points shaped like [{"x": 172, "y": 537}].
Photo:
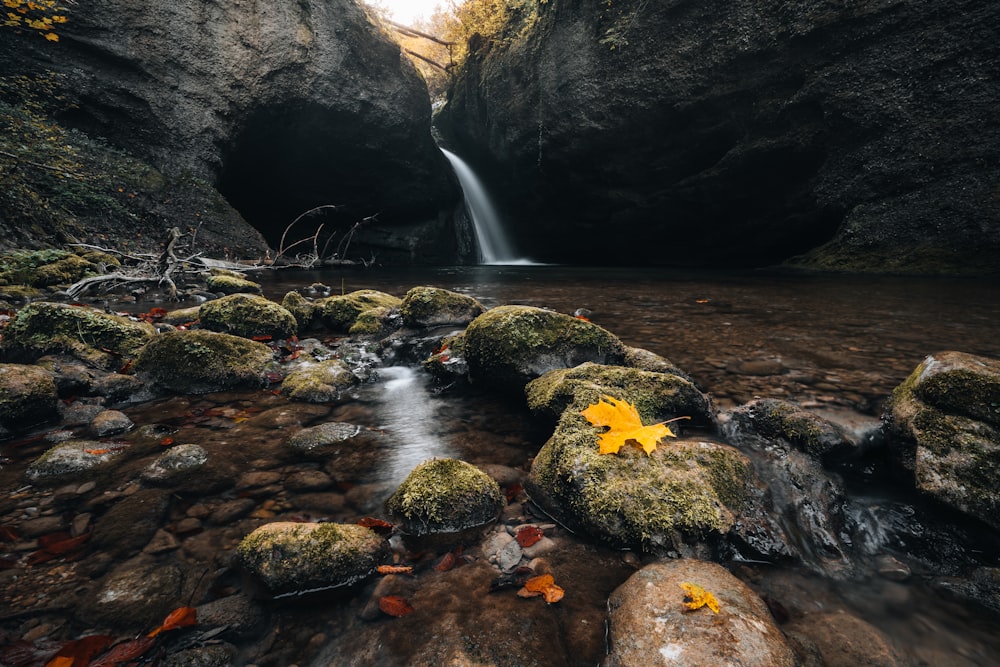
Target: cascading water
[{"x": 494, "y": 246}]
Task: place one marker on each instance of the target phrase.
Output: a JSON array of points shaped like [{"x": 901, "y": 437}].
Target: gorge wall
[
  {"x": 282, "y": 107},
  {"x": 831, "y": 134}
]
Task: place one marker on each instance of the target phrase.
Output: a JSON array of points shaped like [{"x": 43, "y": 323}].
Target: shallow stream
[{"x": 837, "y": 345}]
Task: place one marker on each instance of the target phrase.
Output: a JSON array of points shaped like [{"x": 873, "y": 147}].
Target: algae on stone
[
  {"x": 445, "y": 496},
  {"x": 88, "y": 334},
  {"x": 319, "y": 383},
  {"x": 28, "y": 397},
  {"x": 376, "y": 322},
  {"x": 433, "y": 306},
  {"x": 340, "y": 312},
  {"x": 198, "y": 362},
  {"x": 247, "y": 315}
]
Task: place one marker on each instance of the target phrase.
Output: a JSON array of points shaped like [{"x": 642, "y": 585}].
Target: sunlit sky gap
[{"x": 407, "y": 12}]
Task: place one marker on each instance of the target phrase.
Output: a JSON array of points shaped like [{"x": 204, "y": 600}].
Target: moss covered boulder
[
  {"x": 319, "y": 383},
  {"x": 198, "y": 362},
  {"x": 339, "y": 313},
  {"x": 684, "y": 491},
  {"x": 72, "y": 460},
  {"x": 376, "y": 322},
  {"x": 765, "y": 420},
  {"x": 229, "y": 282},
  {"x": 297, "y": 558},
  {"x": 302, "y": 309},
  {"x": 28, "y": 396},
  {"x": 44, "y": 268},
  {"x": 446, "y": 498},
  {"x": 433, "y": 306},
  {"x": 249, "y": 316},
  {"x": 509, "y": 346},
  {"x": 944, "y": 424},
  {"x": 662, "y": 396},
  {"x": 93, "y": 336}
]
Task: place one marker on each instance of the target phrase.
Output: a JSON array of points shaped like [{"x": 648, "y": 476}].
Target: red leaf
[
  {"x": 78, "y": 653},
  {"x": 167, "y": 441},
  {"x": 447, "y": 562},
  {"x": 262, "y": 338},
  {"x": 179, "y": 618},
  {"x": 394, "y": 605},
  {"x": 528, "y": 535},
  {"x": 378, "y": 525},
  {"x": 125, "y": 652},
  {"x": 8, "y": 534},
  {"x": 61, "y": 543}
]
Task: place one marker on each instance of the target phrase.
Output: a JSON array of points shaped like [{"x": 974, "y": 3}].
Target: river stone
[
  {"x": 110, "y": 422},
  {"x": 228, "y": 283},
  {"x": 248, "y": 316},
  {"x": 199, "y": 362},
  {"x": 339, "y": 313},
  {"x": 71, "y": 460},
  {"x": 297, "y": 558},
  {"x": 319, "y": 383},
  {"x": 136, "y": 596},
  {"x": 91, "y": 335},
  {"x": 433, "y": 306},
  {"x": 769, "y": 419},
  {"x": 28, "y": 397},
  {"x": 944, "y": 425},
  {"x": 445, "y": 497},
  {"x": 178, "y": 461},
  {"x": 660, "y": 396},
  {"x": 131, "y": 523},
  {"x": 302, "y": 309},
  {"x": 509, "y": 346},
  {"x": 682, "y": 492},
  {"x": 323, "y": 435},
  {"x": 839, "y": 639},
  {"x": 650, "y": 626}
]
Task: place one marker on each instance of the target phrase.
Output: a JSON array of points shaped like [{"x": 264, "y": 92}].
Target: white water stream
[{"x": 406, "y": 410}]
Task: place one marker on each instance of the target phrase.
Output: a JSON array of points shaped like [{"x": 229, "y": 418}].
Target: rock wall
[
  {"x": 282, "y": 106},
  {"x": 856, "y": 135}
]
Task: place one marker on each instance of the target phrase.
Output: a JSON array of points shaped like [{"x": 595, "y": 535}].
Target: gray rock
[
  {"x": 27, "y": 397},
  {"x": 71, "y": 460},
  {"x": 178, "y": 461},
  {"x": 136, "y": 595},
  {"x": 110, "y": 422},
  {"x": 650, "y": 625}
]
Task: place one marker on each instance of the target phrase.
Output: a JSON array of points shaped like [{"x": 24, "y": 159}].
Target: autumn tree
[{"x": 39, "y": 15}]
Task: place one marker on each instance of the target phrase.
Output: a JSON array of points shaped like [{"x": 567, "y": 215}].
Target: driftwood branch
[
  {"x": 427, "y": 60},
  {"x": 413, "y": 32}
]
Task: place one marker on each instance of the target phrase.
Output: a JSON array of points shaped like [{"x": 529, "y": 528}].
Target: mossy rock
[
  {"x": 686, "y": 490},
  {"x": 645, "y": 360},
  {"x": 445, "y": 497},
  {"x": 232, "y": 284},
  {"x": 198, "y": 362},
  {"x": 28, "y": 396},
  {"x": 769, "y": 419},
  {"x": 72, "y": 460},
  {"x": 509, "y": 346},
  {"x": 447, "y": 364},
  {"x": 298, "y": 558},
  {"x": 182, "y": 316},
  {"x": 943, "y": 427},
  {"x": 319, "y": 383},
  {"x": 433, "y": 306},
  {"x": 302, "y": 309},
  {"x": 249, "y": 316},
  {"x": 93, "y": 336},
  {"x": 44, "y": 268},
  {"x": 376, "y": 322},
  {"x": 339, "y": 313},
  {"x": 657, "y": 396}
]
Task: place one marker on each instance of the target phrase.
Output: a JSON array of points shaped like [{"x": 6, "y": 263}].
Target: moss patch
[
  {"x": 319, "y": 383},
  {"x": 433, "y": 306},
  {"x": 445, "y": 496},
  {"x": 230, "y": 284},
  {"x": 198, "y": 362},
  {"x": 340, "y": 312},
  {"x": 248, "y": 316}
]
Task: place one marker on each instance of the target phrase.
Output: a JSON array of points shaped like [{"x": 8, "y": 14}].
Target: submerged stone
[
  {"x": 71, "y": 460},
  {"x": 299, "y": 558},
  {"x": 445, "y": 497},
  {"x": 176, "y": 462}
]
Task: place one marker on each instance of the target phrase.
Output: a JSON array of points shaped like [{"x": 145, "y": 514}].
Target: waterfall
[{"x": 494, "y": 246}]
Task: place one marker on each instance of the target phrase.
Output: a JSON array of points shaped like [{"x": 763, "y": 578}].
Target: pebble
[
  {"x": 231, "y": 511},
  {"x": 162, "y": 542},
  {"x": 80, "y": 524}
]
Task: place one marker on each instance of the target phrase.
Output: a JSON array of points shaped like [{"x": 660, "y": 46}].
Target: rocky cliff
[
  {"x": 854, "y": 135},
  {"x": 282, "y": 106}
]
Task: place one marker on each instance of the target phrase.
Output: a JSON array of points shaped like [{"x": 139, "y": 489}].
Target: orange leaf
[
  {"x": 696, "y": 597},
  {"x": 378, "y": 525},
  {"x": 79, "y": 652},
  {"x": 394, "y": 605},
  {"x": 528, "y": 535},
  {"x": 544, "y": 585},
  {"x": 179, "y": 618},
  {"x": 624, "y": 424},
  {"x": 394, "y": 569}
]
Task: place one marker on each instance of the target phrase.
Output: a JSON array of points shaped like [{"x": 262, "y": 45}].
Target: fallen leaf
[
  {"x": 79, "y": 651},
  {"x": 528, "y": 535},
  {"x": 624, "y": 424},
  {"x": 447, "y": 562},
  {"x": 395, "y": 569},
  {"x": 124, "y": 652},
  {"x": 378, "y": 525},
  {"x": 394, "y": 605},
  {"x": 181, "y": 617},
  {"x": 544, "y": 585},
  {"x": 696, "y": 597}
]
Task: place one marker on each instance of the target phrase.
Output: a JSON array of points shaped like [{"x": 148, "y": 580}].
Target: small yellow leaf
[
  {"x": 624, "y": 424},
  {"x": 696, "y": 597}
]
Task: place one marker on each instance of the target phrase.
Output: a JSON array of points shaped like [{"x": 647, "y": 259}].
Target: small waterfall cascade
[
  {"x": 406, "y": 410},
  {"x": 494, "y": 246}
]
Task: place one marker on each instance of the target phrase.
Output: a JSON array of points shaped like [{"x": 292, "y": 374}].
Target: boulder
[
  {"x": 199, "y": 362},
  {"x": 339, "y": 313},
  {"x": 769, "y": 419},
  {"x": 509, "y": 346},
  {"x": 72, "y": 460},
  {"x": 445, "y": 498},
  {"x": 838, "y": 639},
  {"x": 298, "y": 558},
  {"x": 433, "y": 306},
  {"x": 249, "y": 316},
  {"x": 662, "y": 396},
  {"x": 302, "y": 309},
  {"x": 319, "y": 383},
  {"x": 178, "y": 462},
  {"x": 649, "y": 623},
  {"x": 629, "y": 133},
  {"x": 91, "y": 335},
  {"x": 28, "y": 397},
  {"x": 228, "y": 283},
  {"x": 376, "y": 322},
  {"x": 108, "y": 423},
  {"x": 944, "y": 421}
]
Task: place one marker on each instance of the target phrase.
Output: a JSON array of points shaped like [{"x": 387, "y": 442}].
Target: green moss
[
  {"x": 90, "y": 335},
  {"x": 43, "y": 268},
  {"x": 340, "y": 312},
  {"x": 197, "y": 362},
  {"x": 374, "y": 322},
  {"x": 232, "y": 284},
  {"x": 302, "y": 309},
  {"x": 445, "y": 495},
  {"x": 319, "y": 383},
  {"x": 27, "y": 396},
  {"x": 248, "y": 316},
  {"x": 432, "y": 306}
]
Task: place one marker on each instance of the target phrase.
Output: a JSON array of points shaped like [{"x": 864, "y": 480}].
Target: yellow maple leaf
[
  {"x": 625, "y": 424},
  {"x": 696, "y": 597}
]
